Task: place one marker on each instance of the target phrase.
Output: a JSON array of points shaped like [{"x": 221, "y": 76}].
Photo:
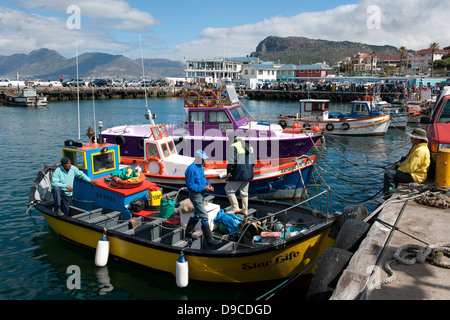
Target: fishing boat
[
  {"x": 282, "y": 178},
  {"x": 314, "y": 113},
  {"x": 399, "y": 114},
  {"x": 277, "y": 241},
  {"x": 211, "y": 118},
  {"x": 375, "y": 106},
  {"x": 27, "y": 97}
]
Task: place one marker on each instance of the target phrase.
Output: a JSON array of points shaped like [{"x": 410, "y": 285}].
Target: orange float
[
  {"x": 191, "y": 102},
  {"x": 116, "y": 182},
  {"x": 208, "y": 98},
  {"x": 154, "y": 159}
]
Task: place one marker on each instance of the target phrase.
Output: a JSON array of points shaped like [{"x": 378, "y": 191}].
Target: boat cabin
[
  {"x": 311, "y": 109},
  {"x": 221, "y": 114},
  {"x": 93, "y": 159},
  {"x": 161, "y": 156},
  {"x": 99, "y": 161}
]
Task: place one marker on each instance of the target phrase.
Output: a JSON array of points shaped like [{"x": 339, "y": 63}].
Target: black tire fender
[
  {"x": 120, "y": 140},
  {"x": 329, "y": 269},
  {"x": 351, "y": 235}
]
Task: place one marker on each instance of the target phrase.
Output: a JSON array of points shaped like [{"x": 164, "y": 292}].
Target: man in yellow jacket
[{"x": 414, "y": 167}]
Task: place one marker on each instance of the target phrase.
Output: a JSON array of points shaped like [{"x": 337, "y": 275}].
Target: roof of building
[
  {"x": 390, "y": 57},
  {"x": 425, "y": 51},
  {"x": 303, "y": 67}
]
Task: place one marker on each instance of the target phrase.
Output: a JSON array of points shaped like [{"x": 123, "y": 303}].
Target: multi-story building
[
  {"x": 421, "y": 60},
  {"x": 364, "y": 62},
  {"x": 252, "y": 74},
  {"x": 216, "y": 70},
  {"x": 249, "y": 71}
]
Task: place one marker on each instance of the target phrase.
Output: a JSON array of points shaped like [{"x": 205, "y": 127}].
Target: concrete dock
[{"x": 418, "y": 225}]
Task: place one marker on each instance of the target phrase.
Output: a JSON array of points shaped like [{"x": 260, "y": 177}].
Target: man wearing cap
[
  {"x": 413, "y": 167},
  {"x": 62, "y": 183},
  {"x": 197, "y": 186},
  {"x": 241, "y": 161}
]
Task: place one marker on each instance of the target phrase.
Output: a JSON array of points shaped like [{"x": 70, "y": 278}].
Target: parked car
[
  {"x": 133, "y": 83},
  {"x": 73, "y": 82},
  {"x": 113, "y": 83},
  {"x": 5, "y": 82},
  {"x": 45, "y": 83},
  {"x": 145, "y": 83},
  {"x": 160, "y": 83},
  {"x": 438, "y": 125},
  {"x": 98, "y": 83}
]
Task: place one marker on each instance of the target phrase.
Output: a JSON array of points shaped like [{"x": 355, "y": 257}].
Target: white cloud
[
  {"x": 414, "y": 24},
  {"x": 113, "y": 26}
]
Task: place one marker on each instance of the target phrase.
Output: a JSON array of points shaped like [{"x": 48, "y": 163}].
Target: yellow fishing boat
[{"x": 276, "y": 242}]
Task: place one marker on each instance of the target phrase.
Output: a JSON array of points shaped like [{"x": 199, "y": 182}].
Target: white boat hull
[{"x": 364, "y": 126}]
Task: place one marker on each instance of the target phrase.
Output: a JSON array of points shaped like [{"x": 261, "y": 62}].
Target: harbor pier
[
  {"x": 70, "y": 93},
  {"x": 387, "y": 264},
  {"x": 291, "y": 95}
]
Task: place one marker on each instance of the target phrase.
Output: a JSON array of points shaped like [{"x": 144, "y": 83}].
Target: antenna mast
[{"x": 150, "y": 116}]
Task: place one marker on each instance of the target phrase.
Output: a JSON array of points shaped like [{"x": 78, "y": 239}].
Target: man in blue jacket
[
  {"x": 197, "y": 186},
  {"x": 62, "y": 183}
]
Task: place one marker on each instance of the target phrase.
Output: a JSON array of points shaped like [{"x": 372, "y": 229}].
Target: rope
[{"x": 417, "y": 254}]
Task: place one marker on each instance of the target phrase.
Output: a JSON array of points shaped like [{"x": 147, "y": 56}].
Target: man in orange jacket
[{"x": 414, "y": 167}]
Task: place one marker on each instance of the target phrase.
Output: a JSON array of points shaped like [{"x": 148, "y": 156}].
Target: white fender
[
  {"x": 102, "y": 252},
  {"x": 182, "y": 272}
]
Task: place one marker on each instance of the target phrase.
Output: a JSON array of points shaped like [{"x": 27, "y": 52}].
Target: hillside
[
  {"x": 45, "y": 63},
  {"x": 300, "y": 50}
]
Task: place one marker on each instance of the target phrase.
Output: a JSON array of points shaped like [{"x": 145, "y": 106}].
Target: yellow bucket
[{"x": 442, "y": 177}]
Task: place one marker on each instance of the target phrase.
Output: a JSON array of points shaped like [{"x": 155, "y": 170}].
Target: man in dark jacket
[{"x": 241, "y": 161}]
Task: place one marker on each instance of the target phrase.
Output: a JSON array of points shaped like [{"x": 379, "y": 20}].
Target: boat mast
[
  {"x": 78, "y": 90},
  {"x": 149, "y": 113}
]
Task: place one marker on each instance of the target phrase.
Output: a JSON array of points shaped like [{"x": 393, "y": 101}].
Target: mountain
[
  {"x": 45, "y": 63},
  {"x": 300, "y": 50}
]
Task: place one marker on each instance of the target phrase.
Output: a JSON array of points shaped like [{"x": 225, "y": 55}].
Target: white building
[
  {"x": 216, "y": 70},
  {"x": 252, "y": 74}
]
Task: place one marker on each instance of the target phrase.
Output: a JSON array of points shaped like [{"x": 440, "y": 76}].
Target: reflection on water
[{"x": 34, "y": 262}]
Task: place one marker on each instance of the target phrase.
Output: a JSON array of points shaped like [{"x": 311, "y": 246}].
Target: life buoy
[
  {"x": 154, "y": 159},
  {"x": 345, "y": 126},
  {"x": 208, "y": 98},
  {"x": 120, "y": 140},
  {"x": 330, "y": 127},
  {"x": 189, "y": 102},
  {"x": 116, "y": 182}
]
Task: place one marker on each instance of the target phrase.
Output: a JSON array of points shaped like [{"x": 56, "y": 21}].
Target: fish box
[{"x": 211, "y": 208}]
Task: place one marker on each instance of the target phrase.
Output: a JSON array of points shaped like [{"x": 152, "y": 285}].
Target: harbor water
[{"x": 34, "y": 262}]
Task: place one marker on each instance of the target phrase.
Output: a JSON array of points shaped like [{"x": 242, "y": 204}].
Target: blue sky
[{"x": 178, "y": 29}]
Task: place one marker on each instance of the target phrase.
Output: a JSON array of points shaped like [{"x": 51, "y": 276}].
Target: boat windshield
[
  {"x": 238, "y": 113},
  {"x": 445, "y": 113},
  {"x": 103, "y": 161}
]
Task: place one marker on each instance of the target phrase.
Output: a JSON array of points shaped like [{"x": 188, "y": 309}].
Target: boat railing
[{"x": 317, "y": 199}]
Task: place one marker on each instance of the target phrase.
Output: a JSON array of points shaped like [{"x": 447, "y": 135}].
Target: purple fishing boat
[{"x": 211, "y": 118}]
